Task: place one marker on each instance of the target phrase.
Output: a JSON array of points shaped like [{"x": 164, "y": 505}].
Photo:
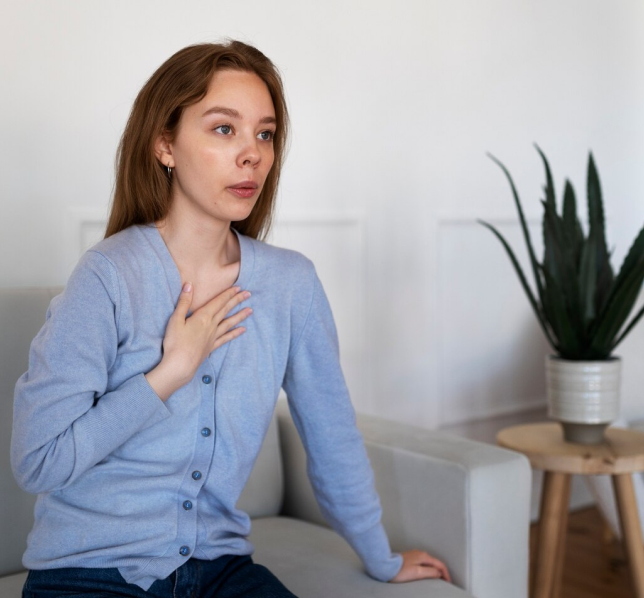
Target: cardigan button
[
  {"x": 205, "y": 432},
  {"x": 206, "y": 379},
  {"x": 184, "y": 551}
]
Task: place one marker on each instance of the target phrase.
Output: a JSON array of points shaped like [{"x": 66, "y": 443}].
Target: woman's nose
[{"x": 249, "y": 154}]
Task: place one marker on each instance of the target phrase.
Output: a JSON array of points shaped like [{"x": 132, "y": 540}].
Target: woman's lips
[{"x": 242, "y": 191}]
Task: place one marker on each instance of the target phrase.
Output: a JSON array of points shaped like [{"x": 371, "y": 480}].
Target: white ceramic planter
[{"x": 583, "y": 396}]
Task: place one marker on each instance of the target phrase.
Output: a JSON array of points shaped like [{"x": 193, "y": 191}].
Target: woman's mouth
[{"x": 244, "y": 189}]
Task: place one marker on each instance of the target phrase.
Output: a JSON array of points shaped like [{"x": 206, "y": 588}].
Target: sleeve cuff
[
  {"x": 373, "y": 548},
  {"x": 134, "y": 406},
  {"x": 149, "y": 407}
]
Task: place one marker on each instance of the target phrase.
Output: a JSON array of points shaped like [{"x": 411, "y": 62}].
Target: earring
[{"x": 169, "y": 171}]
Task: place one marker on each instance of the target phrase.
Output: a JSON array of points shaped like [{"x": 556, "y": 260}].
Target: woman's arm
[
  {"x": 64, "y": 421},
  {"x": 337, "y": 463}
]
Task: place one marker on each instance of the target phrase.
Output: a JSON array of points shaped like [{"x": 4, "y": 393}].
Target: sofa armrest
[{"x": 465, "y": 502}]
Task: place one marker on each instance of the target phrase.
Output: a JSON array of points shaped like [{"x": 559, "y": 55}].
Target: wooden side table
[{"x": 620, "y": 455}]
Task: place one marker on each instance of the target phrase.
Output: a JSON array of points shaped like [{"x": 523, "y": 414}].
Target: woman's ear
[{"x": 163, "y": 151}]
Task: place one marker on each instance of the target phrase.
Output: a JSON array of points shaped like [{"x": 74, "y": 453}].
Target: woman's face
[{"x": 223, "y": 149}]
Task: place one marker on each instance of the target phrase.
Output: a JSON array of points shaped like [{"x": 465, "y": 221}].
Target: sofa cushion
[
  {"x": 22, "y": 313},
  {"x": 263, "y": 493},
  {"x": 315, "y": 562},
  {"x": 11, "y": 586}
]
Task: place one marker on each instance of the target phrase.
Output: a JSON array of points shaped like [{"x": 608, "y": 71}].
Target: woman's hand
[
  {"x": 188, "y": 341},
  {"x": 420, "y": 565}
]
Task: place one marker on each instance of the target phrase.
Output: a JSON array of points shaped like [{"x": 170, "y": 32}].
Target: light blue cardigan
[{"x": 126, "y": 480}]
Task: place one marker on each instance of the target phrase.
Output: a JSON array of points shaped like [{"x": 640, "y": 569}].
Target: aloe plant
[{"x": 579, "y": 303}]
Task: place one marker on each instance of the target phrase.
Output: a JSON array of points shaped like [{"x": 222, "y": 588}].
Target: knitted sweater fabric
[{"x": 129, "y": 481}]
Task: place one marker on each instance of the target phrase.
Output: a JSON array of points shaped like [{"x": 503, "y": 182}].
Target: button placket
[
  {"x": 208, "y": 392},
  {"x": 200, "y": 462},
  {"x": 202, "y": 456}
]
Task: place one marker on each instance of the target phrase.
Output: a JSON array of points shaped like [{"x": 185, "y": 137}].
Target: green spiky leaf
[
  {"x": 597, "y": 225},
  {"x": 571, "y": 223},
  {"x": 618, "y": 308},
  {"x": 524, "y": 284},
  {"x": 581, "y": 305},
  {"x": 568, "y": 340},
  {"x": 627, "y": 273},
  {"x": 588, "y": 279},
  {"x": 562, "y": 269},
  {"x": 524, "y": 228},
  {"x": 628, "y": 328}
]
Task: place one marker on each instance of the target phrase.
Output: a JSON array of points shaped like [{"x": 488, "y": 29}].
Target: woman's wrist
[{"x": 163, "y": 381}]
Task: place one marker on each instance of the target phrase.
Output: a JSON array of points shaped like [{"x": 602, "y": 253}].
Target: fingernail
[
  {"x": 247, "y": 294},
  {"x": 187, "y": 287}
]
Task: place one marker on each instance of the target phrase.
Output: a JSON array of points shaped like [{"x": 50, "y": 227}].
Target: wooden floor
[{"x": 595, "y": 565}]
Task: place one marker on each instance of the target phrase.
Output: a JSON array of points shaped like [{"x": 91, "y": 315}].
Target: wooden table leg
[
  {"x": 561, "y": 541},
  {"x": 552, "y": 533},
  {"x": 631, "y": 529}
]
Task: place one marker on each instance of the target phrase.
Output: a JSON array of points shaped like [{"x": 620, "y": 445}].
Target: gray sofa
[{"x": 465, "y": 502}]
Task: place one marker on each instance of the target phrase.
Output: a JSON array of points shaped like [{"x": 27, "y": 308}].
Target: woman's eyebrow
[{"x": 234, "y": 114}]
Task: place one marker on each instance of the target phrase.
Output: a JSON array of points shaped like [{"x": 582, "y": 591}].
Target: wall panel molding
[{"x": 489, "y": 346}]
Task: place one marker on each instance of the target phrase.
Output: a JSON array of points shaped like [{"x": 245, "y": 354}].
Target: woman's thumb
[{"x": 185, "y": 299}]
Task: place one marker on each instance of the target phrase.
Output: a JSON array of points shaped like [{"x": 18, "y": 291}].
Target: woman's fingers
[
  {"x": 223, "y": 334},
  {"x": 211, "y": 316},
  {"x": 185, "y": 300},
  {"x": 219, "y": 306},
  {"x": 426, "y": 572},
  {"x": 230, "y": 322},
  {"x": 428, "y": 560},
  {"x": 188, "y": 341},
  {"x": 418, "y": 564},
  {"x": 224, "y": 338},
  {"x": 232, "y": 302}
]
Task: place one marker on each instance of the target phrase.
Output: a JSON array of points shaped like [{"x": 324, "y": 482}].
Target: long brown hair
[{"x": 142, "y": 186}]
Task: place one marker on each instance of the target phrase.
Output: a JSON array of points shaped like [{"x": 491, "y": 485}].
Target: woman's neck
[{"x": 198, "y": 245}]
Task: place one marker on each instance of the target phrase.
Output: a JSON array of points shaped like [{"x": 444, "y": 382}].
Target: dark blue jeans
[{"x": 225, "y": 577}]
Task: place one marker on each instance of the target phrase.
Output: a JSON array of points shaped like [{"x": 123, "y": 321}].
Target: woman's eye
[
  {"x": 224, "y": 129},
  {"x": 266, "y": 135}
]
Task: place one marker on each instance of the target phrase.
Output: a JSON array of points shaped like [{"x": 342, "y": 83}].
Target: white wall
[{"x": 394, "y": 105}]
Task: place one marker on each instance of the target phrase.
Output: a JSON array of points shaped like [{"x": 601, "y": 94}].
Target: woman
[{"x": 145, "y": 403}]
